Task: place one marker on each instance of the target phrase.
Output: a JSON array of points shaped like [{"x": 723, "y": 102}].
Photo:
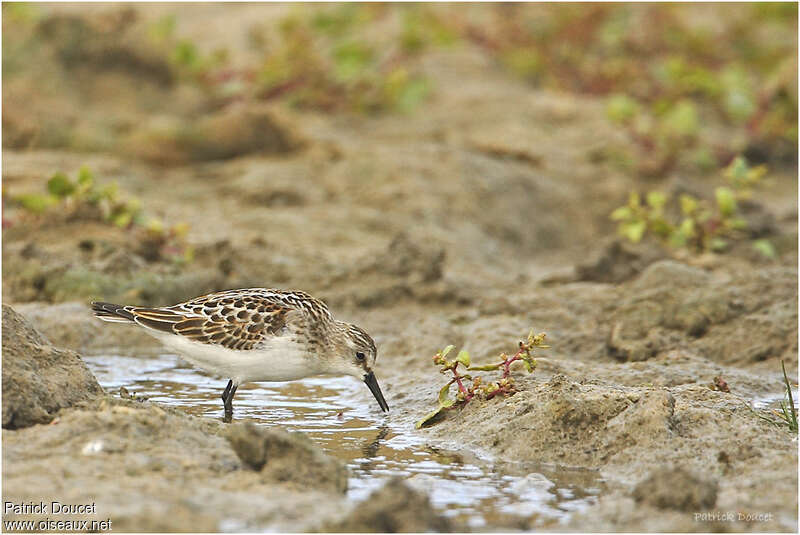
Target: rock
[
  {"x": 670, "y": 275},
  {"x": 744, "y": 316},
  {"x": 417, "y": 260},
  {"x": 676, "y": 488},
  {"x": 287, "y": 457},
  {"x": 394, "y": 508},
  {"x": 67, "y": 325},
  {"x": 650, "y": 419},
  {"x": 669, "y": 300},
  {"x": 559, "y": 421},
  {"x": 107, "y": 40},
  {"x": 153, "y": 468},
  {"x": 39, "y": 379},
  {"x": 409, "y": 268},
  {"x": 72, "y": 326},
  {"x": 760, "y": 220},
  {"x": 241, "y": 129},
  {"x": 234, "y": 131},
  {"x": 617, "y": 262}
]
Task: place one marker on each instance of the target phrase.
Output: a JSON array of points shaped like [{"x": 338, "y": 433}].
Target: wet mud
[{"x": 467, "y": 222}]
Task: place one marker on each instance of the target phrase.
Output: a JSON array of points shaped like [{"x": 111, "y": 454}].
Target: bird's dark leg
[
  {"x": 227, "y": 391},
  {"x": 229, "y": 403}
]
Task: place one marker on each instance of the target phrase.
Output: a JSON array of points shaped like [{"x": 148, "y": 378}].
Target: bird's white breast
[{"x": 279, "y": 359}]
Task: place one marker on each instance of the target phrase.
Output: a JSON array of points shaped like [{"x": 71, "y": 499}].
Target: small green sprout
[
  {"x": 744, "y": 178},
  {"x": 504, "y": 386},
  {"x": 158, "y": 242},
  {"x": 691, "y": 223},
  {"x": 787, "y": 414}
]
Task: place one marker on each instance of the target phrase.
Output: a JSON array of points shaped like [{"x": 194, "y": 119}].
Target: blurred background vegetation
[
  {"x": 665, "y": 70},
  {"x": 668, "y": 106}
]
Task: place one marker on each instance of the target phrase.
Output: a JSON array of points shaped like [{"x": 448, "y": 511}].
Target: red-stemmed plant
[{"x": 505, "y": 386}]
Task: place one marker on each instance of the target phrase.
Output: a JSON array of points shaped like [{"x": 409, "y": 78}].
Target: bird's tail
[{"x": 111, "y": 312}]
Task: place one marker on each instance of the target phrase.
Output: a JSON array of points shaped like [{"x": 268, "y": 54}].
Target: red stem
[
  {"x": 507, "y": 363},
  {"x": 502, "y": 390},
  {"x": 460, "y": 384},
  {"x": 457, "y": 379}
]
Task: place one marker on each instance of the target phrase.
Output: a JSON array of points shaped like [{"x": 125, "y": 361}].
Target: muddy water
[{"x": 340, "y": 414}]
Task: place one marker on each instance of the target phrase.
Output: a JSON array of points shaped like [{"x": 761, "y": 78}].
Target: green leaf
[
  {"x": 656, "y": 199},
  {"x": 185, "y": 54},
  {"x": 718, "y": 244},
  {"x": 188, "y": 253},
  {"x": 463, "y": 358},
  {"x": 485, "y": 367},
  {"x": 350, "y": 59},
  {"x": 447, "y": 350},
  {"x": 634, "y": 230},
  {"x": 412, "y": 94},
  {"x": 681, "y": 120},
  {"x": 163, "y": 28},
  {"x": 738, "y": 223},
  {"x": 621, "y": 213},
  {"x": 687, "y": 228},
  {"x": 683, "y": 233},
  {"x": 726, "y": 201},
  {"x": 110, "y": 192},
  {"x": 36, "y": 203},
  {"x": 122, "y": 219},
  {"x": 60, "y": 186},
  {"x": 85, "y": 177},
  {"x": 765, "y": 248},
  {"x": 621, "y": 108},
  {"x": 443, "y": 393},
  {"x": 738, "y": 98},
  {"x": 525, "y": 62},
  {"x": 661, "y": 227},
  {"x": 528, "y": 365},
  {"x": 688, "y": 204},
  {"x": 428, "y": 417},
  {"x": 677, "y": 240}
]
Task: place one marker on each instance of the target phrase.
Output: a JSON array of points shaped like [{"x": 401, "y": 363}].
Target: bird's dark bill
[{"x": 372, "y": 383}]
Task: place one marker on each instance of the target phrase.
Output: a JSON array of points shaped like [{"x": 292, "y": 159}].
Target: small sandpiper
[{"x": 256, "y": 334}]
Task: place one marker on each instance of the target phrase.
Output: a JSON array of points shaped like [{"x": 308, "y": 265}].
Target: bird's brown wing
[
  {"x": 236, "y": 319},
  {"x": 232, "y": 325}
]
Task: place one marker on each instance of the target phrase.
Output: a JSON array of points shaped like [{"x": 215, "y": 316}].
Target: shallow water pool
[{"x": 340, "y": 414}]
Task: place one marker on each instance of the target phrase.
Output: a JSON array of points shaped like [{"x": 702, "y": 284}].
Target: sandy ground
[{"x": 477, "y": 217}]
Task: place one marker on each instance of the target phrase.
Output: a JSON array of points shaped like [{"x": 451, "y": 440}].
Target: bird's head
[{"x": 354, "y": 353}]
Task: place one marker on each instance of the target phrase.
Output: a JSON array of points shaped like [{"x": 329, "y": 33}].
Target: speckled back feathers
[{"x": 235, "y": 319}]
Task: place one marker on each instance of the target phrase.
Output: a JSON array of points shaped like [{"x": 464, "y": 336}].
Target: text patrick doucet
[{"x": 54, "y": 509}]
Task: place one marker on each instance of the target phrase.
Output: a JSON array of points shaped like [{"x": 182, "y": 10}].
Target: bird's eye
[{"x": 360, "y": 356}]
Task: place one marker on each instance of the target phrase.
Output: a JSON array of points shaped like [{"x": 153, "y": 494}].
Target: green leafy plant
[
  {"x": 185, "y": 58},
  {"x": 83, "y": 197},
  {"x": 743, "y": 178},
  {"x": 660, "y": 135},
  {"x": 504, "y": 386},
  {"x": 320, "y": 58},
  {"x": 663, "y": 67},
  {"x": 691, "y": 223},
  {"x": 159, "y": 242},
  {"x": 324, "y": 64}
]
